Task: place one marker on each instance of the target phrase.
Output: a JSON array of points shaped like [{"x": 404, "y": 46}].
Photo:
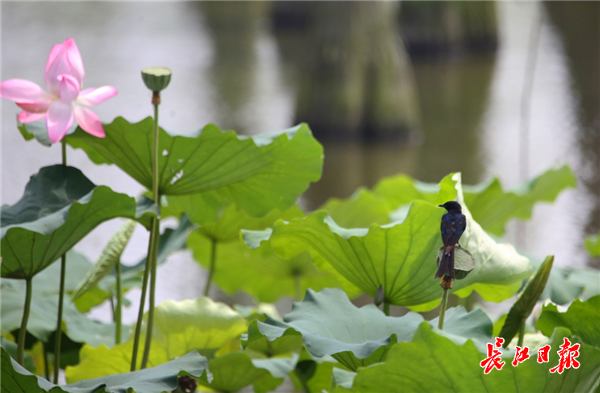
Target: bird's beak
[{"x": 440, "y": 205}]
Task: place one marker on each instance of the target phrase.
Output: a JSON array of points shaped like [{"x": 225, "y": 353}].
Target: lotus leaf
[
  {"x": 401, "y": 256},
  {"x": 237, "y": 370},
  {"x": 42, "y": 316},
  {"x": 15, "y": 379},
  {"x": 330, "y": 324},
  {"x": 432, "y": 363},
  {"x": 179, "y": 327},
  {"x": 60, "y": 206},
  {"x": 256, "y": 173},
  {"x": 582, "y": 318}
]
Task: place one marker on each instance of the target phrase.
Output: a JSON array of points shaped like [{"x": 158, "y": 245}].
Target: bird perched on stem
[{"x": 453, "y": 225}]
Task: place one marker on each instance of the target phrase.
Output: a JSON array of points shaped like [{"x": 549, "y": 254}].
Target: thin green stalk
[
  {"x": 298, "y": 288},
  {"x": 58, "y": 335},
  {"x": 112, "y": 308},
  {"x": 138, "y": 325},
  {"x": 443, "y": 309},
  {"x": 521, "y": 333},
  {"x": 213, "y": 260},
  {"x": 150, "y": 323},
  {"x": 46, "y": 364},
  {"x": 119, "y": 308},
  {"x": 23, "y": 329},
  {"x": 155, "y": 230},
  {"x": 386, "y": 308},
  {"x": 155, "y": 156},
  {"x": 61, "y": 292},
  {"x": 151, "y": 259},
  {"x": 64, "y": 151},
  {"x": 305, "y": 387}
]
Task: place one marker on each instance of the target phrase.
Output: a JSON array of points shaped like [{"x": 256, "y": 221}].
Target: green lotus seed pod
[
  {"x": 464, "y": 262},
  {"x": 156, "y": 78}
]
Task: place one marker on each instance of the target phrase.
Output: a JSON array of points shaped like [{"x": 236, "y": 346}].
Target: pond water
[{"x": 470, "y": 112}]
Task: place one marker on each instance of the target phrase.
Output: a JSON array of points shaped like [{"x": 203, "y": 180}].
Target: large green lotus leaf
[
  {"x": 489, "y": 204},
  {"x": 15, "y": 379},
  {"x": 179, "y": 327},
  {"x": 401, "y": 256},
  {"x": 402, "y": 190},
  {"x": 592, "y": 244},
  {"x": 256, "y": 173},
  {"x": 588, "y": 278},
  {"x": 12, "y": 349},
  {"x": 290, "y": 340},
  {"x": 200, "y": 324},
  {"x": 460, "y": 326},
  {"x": 492, "y": 207},
  {"x": 432, "y": 363},
  {"x": 317, "y": 375},
  {"x": 582, "y": 318},
  {"x": 237, "y": 370},
  {"x": 361, "y": 210},
  {"x": 330, "y": 324},
  {"x": 44, "y": 303},
  {"x": 260, "y": 272},
  {"x": 528, "y": 298},
  {"x": 366, "y": 207},
  {"x": 60, "y": 206},
  {"x": 232, "y": 220}
]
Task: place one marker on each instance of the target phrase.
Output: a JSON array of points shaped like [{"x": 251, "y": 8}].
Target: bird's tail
[{"x": 446, "y": 265}]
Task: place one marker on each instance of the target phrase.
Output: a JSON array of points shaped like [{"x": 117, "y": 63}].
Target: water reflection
[{"x": 230, "y": 69}]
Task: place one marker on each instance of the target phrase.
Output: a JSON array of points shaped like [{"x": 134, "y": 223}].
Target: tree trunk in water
[
  {"x": 357, "y": 82},
  {"x": 448, "y": 28}
]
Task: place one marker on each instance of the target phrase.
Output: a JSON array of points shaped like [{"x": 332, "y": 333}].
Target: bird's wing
[{"x": 459, "y": 226}]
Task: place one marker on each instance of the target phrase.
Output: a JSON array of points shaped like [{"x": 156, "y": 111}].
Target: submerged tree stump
[
  {"x": 354, "y": 78},
  {"x": 448, "y": 28}
]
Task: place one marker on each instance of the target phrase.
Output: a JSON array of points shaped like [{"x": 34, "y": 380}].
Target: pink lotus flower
[{"x": 64, "y": 79}]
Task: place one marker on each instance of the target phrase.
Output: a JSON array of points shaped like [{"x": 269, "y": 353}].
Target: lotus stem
[
  {"x": 521, "y": 333},
  {"x": 150, "y": 324},
  {"x": 61, "y": 291},
  {"x": 386, "y": 308},
  {"x": 58, "y": 334},
  {"x": 138, "y": 325},
  {"x": 23, "y": 329},
  {"x": 213, "y": 261},
  {"x": 64, "y": 151},
  {"x": 154, "y": 239},
  {"x": 443, "y": 309},
  {"x": 46, "y": 364},
  {"x": 298, "y": 287},
  {"x": 118, "y": 310}
]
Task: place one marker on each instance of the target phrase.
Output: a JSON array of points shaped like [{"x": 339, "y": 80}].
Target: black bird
[{"x": 453, "y": 226}]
